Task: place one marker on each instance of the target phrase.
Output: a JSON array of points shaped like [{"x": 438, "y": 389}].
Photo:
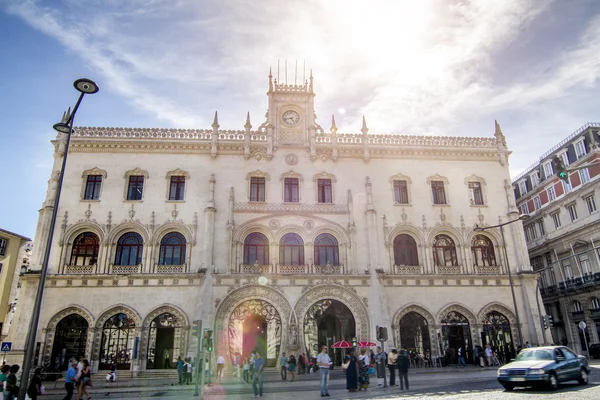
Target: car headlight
[
  {"x": 536, "y": 372},
  {"x": 502, "y": 372}
]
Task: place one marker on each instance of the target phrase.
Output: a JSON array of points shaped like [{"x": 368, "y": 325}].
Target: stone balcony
[
  {"x": 487, "y": 269},
  {"x": 170, "y": 269},
  {"x": 80, "y": 269},
  {"x": 125, "y": 269},
  {"x": 304, "y": 269},
  {"x": 408, "y": 269}
]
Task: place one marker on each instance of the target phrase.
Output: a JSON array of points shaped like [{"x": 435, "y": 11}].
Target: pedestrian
[
  {"x": 236, "y": 366},
  {"x": 292, "y": 367},
  {"x": 461, "y": 356},
  {"x": 246, "y": 370},
  {"x": 257, "y": 380},
  {"x": 363, "y": 372},
  {"x": 11, "y": 389},
  {"x": 403, "y": 364},
  {"x": 324, "y": 363},
  {"x": 284, "y": 366},
  {"x": 180, "y": 365},
  {"x": 167, "y": 364},
  {"x": 79, "y": 367},
  {"x": 3, "y": 375},
  {"x": 84, "y": 378},
  {"x": 379, "y": 359},
  {"x": 220, "y": 367},
  {"x": 527, "y": 345},
  {"x": 351, "y": 365},
  {"x": 112, "y": 375},
  {"x": 475, "y": 354},
  {"x": 301, "y": 364},
  {"x": 188, "y": 371},
  {"x": 251, "y": 361},
  {"x": 392, "y": 366},
  {"x": 35, "y": 384},
  {"x": 488, "y": 354},
  {"x": 70, "y": 379}
]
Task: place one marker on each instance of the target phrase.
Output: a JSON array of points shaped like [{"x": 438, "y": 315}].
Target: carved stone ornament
[
  {"x": 291, "y": 159},
  {"x": 308, "y": 224},
  {"x": 274, "y": 224}
]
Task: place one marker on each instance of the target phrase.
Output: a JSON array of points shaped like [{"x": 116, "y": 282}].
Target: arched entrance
[
  {"x": 414, "y": 333},
  {"x": 70, "y": 339},
  {"x": 326, "y": 322},
  {"x": 255, "y": 325},
  {"x": 496, "y": 332},
  {"x": 164, "y": 342},
  {"x": 455, "y": 333},
  {"x": 118, "y": 337}
]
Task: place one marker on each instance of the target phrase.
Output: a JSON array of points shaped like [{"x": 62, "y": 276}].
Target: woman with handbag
[
  {"x": 83, "y": 380},
  {"x": 35, "y": 384},
  {"x": 351, "y": 368}
]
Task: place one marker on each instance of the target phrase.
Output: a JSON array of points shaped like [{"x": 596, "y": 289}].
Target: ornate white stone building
[{"x": 278, "y": 238}]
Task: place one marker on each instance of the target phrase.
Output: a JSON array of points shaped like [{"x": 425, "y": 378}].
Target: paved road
[{"x": 468, "y": 384}]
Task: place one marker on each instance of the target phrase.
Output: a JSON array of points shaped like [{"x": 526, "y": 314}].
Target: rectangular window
[
  {"x": 3, "y": 246},
  {"x": 527, "y": 234},
  {"x": 580, "y": 149},
  {"x": 475, "y": 194},
  {"x": 291, "y": 190},
  {"x": 566, "y": 265},
  {"x": 591, "y": 204},
  {"x": 257, "y": 189},
  {"x": 548, "y": 170},
  {"x": 439, "y": 196},
  {"x": 541, "y": 227},
  {"x": 584, "y": 174},
  {"x": 135, "y": 188},
  {"x": 567, "y": 187},
  {"x": 535, "y": 179},
  {"x": 177, "y": 188},
  {"x": 400, "y": 192},
  {"x": 537, "y": 203},
  {"x": 324, "y": 191},
  {"x": 522, "y": 188},
  {"x": 564, "y": 158},
  {"x": 92, "y": 187},
  {"x": 533, "y": 231},
  {"x": 584, "y": 261},
  {"x": 556, "y": 220},
  {"x": 572, "y": 211},
  {"x": 551, "y": 193},
  {"x": 524, "y": 208}
]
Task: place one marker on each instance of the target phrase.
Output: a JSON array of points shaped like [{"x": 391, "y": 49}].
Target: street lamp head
[
  {"x": 524, "y": 217},
  {"x": 86, "y": 86},
  {"x": 62, "y": 127}
]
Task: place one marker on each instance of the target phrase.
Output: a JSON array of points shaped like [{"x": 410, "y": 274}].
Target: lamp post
[
  {"x": 84, "y": 86},
  {"x": 522, "y": 217}
]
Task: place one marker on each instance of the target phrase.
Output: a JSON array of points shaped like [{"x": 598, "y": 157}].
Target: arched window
[
  {"x": 85, "y": 249},
  {"x": 444, "y": 252},
  {"x": 256, "y": 249},
  {"x": 405, "y": 250},
  {"x": 483, "y": 251},
  {"x": 326, "y": 250},
  {"x": 118, "y": 337},
  {"x": 172, "y": 249},
  {"x": 577, "y": 306},
  {"x": 129, "y": 249},
  {"x": 291, "y": 250},
  {"x": 595, "y": 304}
]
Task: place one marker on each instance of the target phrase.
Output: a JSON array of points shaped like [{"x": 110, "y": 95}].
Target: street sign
[
  {"x": 582, "y": 326},
  {"x": 6, "y": 346}
]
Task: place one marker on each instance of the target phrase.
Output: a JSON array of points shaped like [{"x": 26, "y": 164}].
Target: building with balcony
[
  {"x": 279, "y": 238},
  {"x": 563, "y": 235}
]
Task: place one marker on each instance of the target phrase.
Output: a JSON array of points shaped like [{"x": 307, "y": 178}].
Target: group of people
[
  {"x": 9, "y": 390},
  {"x": 184, "y": 370},
  {"x": 359, "y": 368},
  {"x": 288, "y": 364},
  {"x": 78, "y": 376}
]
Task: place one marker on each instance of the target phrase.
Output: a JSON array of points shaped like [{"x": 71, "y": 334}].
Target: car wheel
[
  {"x": 583, "y": 378},
  {"x": 553, "y": 383},
  {"x": 508, "y": 388}
]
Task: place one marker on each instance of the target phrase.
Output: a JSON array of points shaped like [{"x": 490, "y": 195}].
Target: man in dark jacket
[{"x": 403, "y": 368}]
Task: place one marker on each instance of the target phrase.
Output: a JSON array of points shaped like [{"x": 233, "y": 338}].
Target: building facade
[
  {"x": 563, "y": 235},
  {"x": 15, "y": 251},
  {"x": 279, "y": 238}
]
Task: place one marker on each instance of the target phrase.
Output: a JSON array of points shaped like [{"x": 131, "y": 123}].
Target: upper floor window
[
  {"x": 401, "y": 192},
  {"x": 567, "y": 186},
  {"x": 595, "y": 304},
  {"x": 92, "y": 187},
  {"x": 548, "y": 170},
  {"x": 3, "y": 246},
  {"x": 537, "y": 203},
  {"x": 580, "y": 150},
  {"x": 475, "y": 193},
  {"x": 483, "y": 251},
  {"x": 564, "y": 158},
  {"x": 172, "y": 249},
  {"x": 556, "y": 220},
  {"x": 257, "y": 189},
  {"x": 591, "y": 204},
  {"x": 405, "y": 250},
  {"x": 584, "y": 174},
  {"x": 291, "y": 190},
  {"x": 577, "y": 306},
  {"x": 291, "y": 250},
  {"x": 438, "y": 192},
  {"x": 256, "y": 249},
  {"x": 326, "y": 250},
  {"x": 176, "y": 188},
  {"x": 135, "y": 187},
  {"x": 522, "y": 188},
  {"x": 535, "y": 179},
  {"x": 541, "y": 227},
  {"x": 524, "y": 208},
  {"x": 551, "y": 193},
  {"x": 567, "y": 269},
  {"x": 444, "y": 251},
  {"x": 129, "y": 249},
  {"x": 85, "y": 249},
  {"x": 572, "y": 211},
  {"x": 324, "y": 193}
]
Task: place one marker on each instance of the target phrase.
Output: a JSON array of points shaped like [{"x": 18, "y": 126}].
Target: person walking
[
  {"x": 220, "y": 367},
  {"x": 246, "y": 368},
  {"x": 83, "y": 380},
  {"x": 488, "y": 354},
  {"x": 403, "y": 364},
  {"x": 180, "y": 365},
  {"x": 70, "y": 379},
  {"x": 11, "y": 389},
  {"x": 3, "y": 375},
  {"x": 461, "y": 357},
  {"x": 292, "y": 367},
  {"x": 392, "y": 357},
  {"x": 324, "y": 363},
  {"x": 351, "y": 363},
  {"x": 251, "y": 361},
  {"x": 236, "y": 366},
  {"x": 257, "y": 380},
  {"x": 35, "y": 384},
  {"x": 284, "y": 366},
  {"x": 363, "y": 372}
]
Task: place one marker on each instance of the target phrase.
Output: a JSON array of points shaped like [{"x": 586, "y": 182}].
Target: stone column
[{"x": 209, "y": 224}]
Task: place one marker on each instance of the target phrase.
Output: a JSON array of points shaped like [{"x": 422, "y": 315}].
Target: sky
[{"x": 422, "y": 67}]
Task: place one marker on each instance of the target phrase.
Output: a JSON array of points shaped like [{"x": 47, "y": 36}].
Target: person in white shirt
[
  {"x": 488, "y": 354},
  {"x": 220, "y": 366},
  {"x": 324, "y": 362}
]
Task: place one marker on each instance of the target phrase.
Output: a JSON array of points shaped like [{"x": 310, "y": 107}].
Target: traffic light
[
  {"x": 382, "y": 335},
  {"x": 550, "y": 321},
  {"x": 545, "y": 321},
  {"x": 560, "y": 169},
  {"x": 197, "y": 327},
  {"x": 208, "y": 342},
  {"x": 354, "y": 343}
]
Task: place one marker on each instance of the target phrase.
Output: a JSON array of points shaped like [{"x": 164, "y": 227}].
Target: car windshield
[{"x": 531, "y": 354}]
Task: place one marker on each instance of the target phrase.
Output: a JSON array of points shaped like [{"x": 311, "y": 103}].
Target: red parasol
[
  {"x": 341, "y": 345},
  {"x": 366, "y": 344}
]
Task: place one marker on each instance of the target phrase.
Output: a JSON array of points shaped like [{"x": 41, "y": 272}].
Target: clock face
[{"x": 290, "y": 117}]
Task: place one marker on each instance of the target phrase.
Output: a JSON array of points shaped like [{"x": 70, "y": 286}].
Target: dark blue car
[{"x": 544, "y": 366}]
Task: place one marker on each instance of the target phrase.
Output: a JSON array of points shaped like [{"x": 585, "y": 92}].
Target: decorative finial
[
  {"x": 271, "y": 81},
  {"x": 248, "y": 125},
  {"x": 310, "y": 86},
  {"x": 498, "y": 133},
  {"x": 216, "y": 120},
  {"x": 333, "y": 127},
  {"x": 364, "y": 128}
]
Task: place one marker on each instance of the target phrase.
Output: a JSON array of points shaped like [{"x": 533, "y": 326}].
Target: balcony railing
[
  {"x": 445, "y": 270},
  {"x": 487, "y": 269},
  {"x": 80, "y": 269},
  {"x": 125, "y": 269},
  {"x": 255, "y": 269},
  {"x": 595, "y": 313},
  {"x": 408, "y": 269},
  {"x": 170, "y": 269},
  {"x": 577, "y": 316},
  {"x": 304, "y": 269}
]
